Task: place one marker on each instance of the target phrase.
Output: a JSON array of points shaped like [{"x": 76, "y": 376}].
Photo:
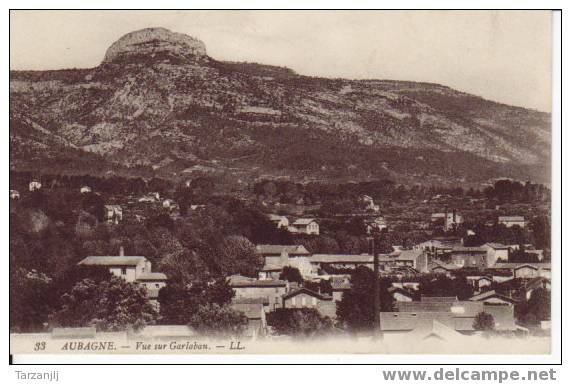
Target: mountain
[{"x": 158, "y": 104}]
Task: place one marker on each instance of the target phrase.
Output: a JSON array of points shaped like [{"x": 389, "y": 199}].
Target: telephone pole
[{"x": 376, "y": 289}]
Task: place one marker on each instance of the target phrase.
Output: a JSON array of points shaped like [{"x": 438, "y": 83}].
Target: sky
[{"x": 503, "y": 56}]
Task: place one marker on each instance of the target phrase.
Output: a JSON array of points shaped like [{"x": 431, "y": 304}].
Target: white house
[
  {"x": 511, "y": 221},
  {"x": 496, "y": 252},
  {"x": 370, "y": 203},
  {"x": 14, "y": 194},
  {"x": 305, "y": 226},
  {"x": 276, "y": 257},
  {"x": 377, "y": 224},
  {"x": 113, "y": 213},
  {"x": 35, "y": 185},
  {"x": 85, "y": 189},
  {"x": 279, "y": 221},
  {"x": 133, "y": 269}
]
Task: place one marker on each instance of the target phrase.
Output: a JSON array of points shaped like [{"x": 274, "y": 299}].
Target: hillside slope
[{"x": 158, "y": 103}]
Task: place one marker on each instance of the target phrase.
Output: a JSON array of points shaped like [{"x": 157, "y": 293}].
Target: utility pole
[{"x": 376, "y": 289}]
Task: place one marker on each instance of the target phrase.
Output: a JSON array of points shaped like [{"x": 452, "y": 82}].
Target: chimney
[
  {"x": 284, "y": 258},
  {"x": 121, "y": 251}
]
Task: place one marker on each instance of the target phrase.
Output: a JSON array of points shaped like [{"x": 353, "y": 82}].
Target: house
[
  {"x": 450, "y": 220},
  {"x": 370, "y": 203},
  {"x": 249, "y": 288},
  {"x": 412, "y": 258},
  {"x": 113, "y": 213},
  {"x": 391, "y": 262},
  {"x": 400, "y": 294},
  {"x": 34, "y": 185},
  {"x": 276, "y": 257},
  {"x": 497, "y": 252},
  {"x": 339, "y": 285},
  {"x": 256, "y": 314},
  {"x": 304, "y": 226},
  {"x": 306, "y": 298},
  {"x": 85, "y": 189},
  {"x": 511, "y": 221},
  {"x": 442, "y": 268},
  {"x": 329, "y": 262},
  {"x": 376, "y": 224},
  {"x": 520, "y": 289},
  {"x": 479, "y": 281},
  {"x": 492, "y": 298},
  {"x": 133, "y": 269},
  {"x": 440, "y": 247},
  {"x": 473, "y": 257},
  {"x": 526, "y": 270},
  {"x": 14, "y": 195},
  {"x": 456, "y": 314},
  {"x": 279, "y": 221},
  {"x": 408, "y": 285},
  {"x": 536, "y": 253}
]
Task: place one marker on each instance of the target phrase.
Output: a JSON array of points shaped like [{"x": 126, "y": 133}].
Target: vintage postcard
[{"x": 280, "y": 182}]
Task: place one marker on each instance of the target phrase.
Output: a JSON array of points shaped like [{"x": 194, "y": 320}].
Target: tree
[
  {"x": 536, "y": 309},
  {"x": 179, "y": 302},
  {"x": 291, "y": 274},
  {"x": 484, "y": 322},
  {"x": 355, "y": 310},
  {"x": 238, "y": 255},
  {"x": 109, "y": 305},
  {"x": 218, "y": 321},
  {"x": 30, "y": 300},
  {"x": 444, "y": 286},
  {"x": 299, "y": 322}
]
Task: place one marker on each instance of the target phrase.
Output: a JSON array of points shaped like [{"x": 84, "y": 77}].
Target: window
[
  {"x": 157, "y": 285},
  {"x": 123, "y": 270}
]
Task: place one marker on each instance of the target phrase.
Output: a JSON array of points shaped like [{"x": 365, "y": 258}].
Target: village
[{"x": 467, "y": 265}]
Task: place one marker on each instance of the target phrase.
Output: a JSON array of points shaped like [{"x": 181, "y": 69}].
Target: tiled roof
[
  {"x": 511, "y": 218},
  {"x": 458, "y": 308},
  {"x": 340, "y": 258},
  {"x": 404, "y": 255},
  {"x": 272, "y": 267},
  {"x": 519, "y": 265},
  {"x": 438, "y": 299},
  {"x": 272, "y": 249},
  {"x": 497, "y": 246},
  {"x": 273, "y": 217},
  {"x": 468, "y": 249},
  {"x": 112, "y": 260},
  {"x": 237, "y": 281},
  {"x": 488, "y": 294},
  {"x": 303, "y": 221},
  {"x": 251, "y": 300},
  {"x": 439, "y": 264},
  {"x": 306, "y": 291},
  {"x": 152, "y": 276}
]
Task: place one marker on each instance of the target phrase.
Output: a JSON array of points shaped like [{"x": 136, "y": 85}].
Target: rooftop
[
  {"x": 152, "y": 276},
  {"x": 238, "y": 281},
  {"x": 271, "y": 249},
  {"x": 303, "y": 221},
  {"x": 112, "y": 260}
]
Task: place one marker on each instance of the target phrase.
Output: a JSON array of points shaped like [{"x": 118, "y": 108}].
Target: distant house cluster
[{"x": 305, "y": 226}]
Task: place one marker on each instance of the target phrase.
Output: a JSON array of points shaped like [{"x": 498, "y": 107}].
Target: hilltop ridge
[{"x": 159, "y": 104}]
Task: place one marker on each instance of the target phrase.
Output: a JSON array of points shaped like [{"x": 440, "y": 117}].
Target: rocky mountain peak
[{"x": 155, "y": 43}]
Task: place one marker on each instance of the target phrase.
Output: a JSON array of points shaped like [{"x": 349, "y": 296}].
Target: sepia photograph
[{"x": 281, "y": 182}]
